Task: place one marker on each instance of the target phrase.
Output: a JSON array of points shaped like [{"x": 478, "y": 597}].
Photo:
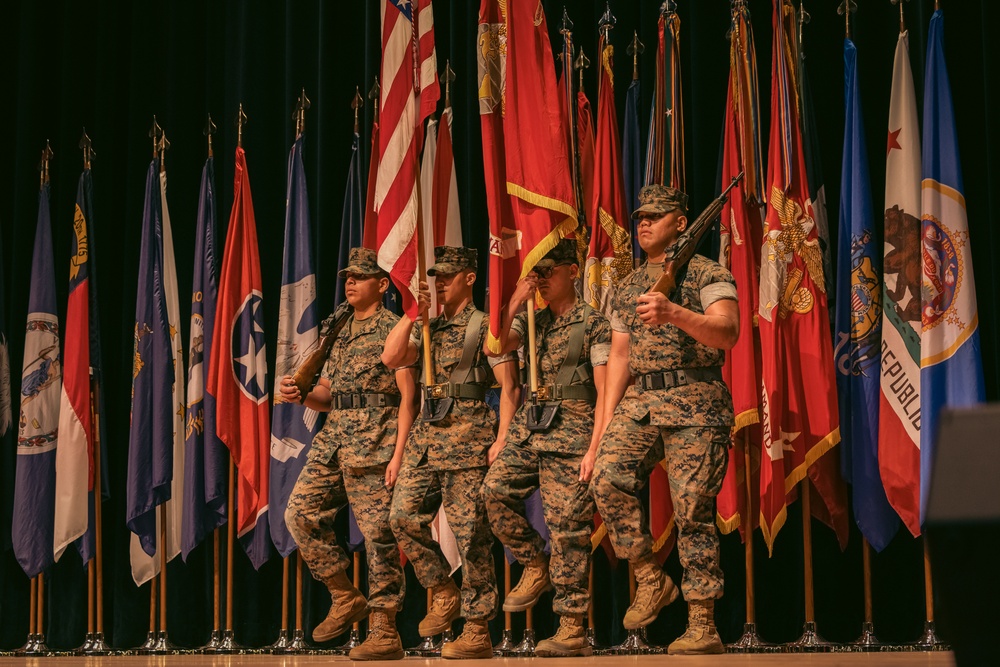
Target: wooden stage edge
[{"x": 934, "y": 659}]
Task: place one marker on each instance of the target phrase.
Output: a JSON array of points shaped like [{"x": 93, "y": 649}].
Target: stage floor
[{"x": 938, "y": 659}]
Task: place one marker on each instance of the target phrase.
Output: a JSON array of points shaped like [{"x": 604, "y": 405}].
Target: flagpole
[
  {"x": 97, "y": 645},
  {"x": 929, "y": 640},
  {"x": 354, "y": 639},
  {"x": 810, "y": 641},
  {"x": 635, "y": 640},
  {"x": 297, "y": 644},
  {"x": 29, "y": 641},
  {"x": 506, "y": 645},
  {"x": 566, "y": 29},
  {"x": 40, "y": 646}
]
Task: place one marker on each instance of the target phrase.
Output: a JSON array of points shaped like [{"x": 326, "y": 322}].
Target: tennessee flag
[
  {"x": 237, "y": 376},
  {"x": 799, "y": 397},
  {"x": 529, "y": 185}
]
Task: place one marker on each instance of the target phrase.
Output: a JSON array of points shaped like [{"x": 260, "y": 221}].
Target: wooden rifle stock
[
  {"x": 688, "y": 242},
  {"x": 305, "y": 376}
]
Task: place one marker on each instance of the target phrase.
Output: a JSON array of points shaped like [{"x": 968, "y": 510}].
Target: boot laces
[
  {"x": 565, "y": 632},
  {"x": 529, "y": 578},
  {"x": 377, "y": 626}
]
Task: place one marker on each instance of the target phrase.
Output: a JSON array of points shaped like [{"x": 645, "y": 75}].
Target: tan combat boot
[
  {"x": 534, "y": 581},
  {"x": 474, "y": 642},
  {"x": 446, "y": 604},
  {"x": 347, "y": 606},
  {"x": 654, "y": 591},
  {"x": 570, "y": 639},
  {"x": 701, "y": 636},
  {"x": 383, "y": 641}
]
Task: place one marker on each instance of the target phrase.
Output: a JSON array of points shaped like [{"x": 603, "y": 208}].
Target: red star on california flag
[{"x": 893, "y": 143}]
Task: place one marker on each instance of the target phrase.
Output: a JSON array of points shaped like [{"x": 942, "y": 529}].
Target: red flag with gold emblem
[{"x": 799, "y": 396}]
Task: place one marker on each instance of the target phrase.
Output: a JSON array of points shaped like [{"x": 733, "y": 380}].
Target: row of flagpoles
[{"x": 545, "y": 171}]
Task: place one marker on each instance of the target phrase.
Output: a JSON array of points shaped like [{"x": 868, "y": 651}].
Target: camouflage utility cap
[
  {"x": 563, "y": 253},
  {"x": 660, "y": 200},
  {"x": 452, "y": 259},
  {"x": 361, "y": 261}
]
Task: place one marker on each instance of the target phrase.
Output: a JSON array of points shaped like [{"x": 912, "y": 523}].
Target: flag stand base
[
  {"x": 35, "y": 645},
  {"x": 353, "y": 639},
  {"x": 751, "y": 642},
  {"x": 161, "y": 646},
  {"x": 280, "y": 644},
  {"x": 148, "y": 644},
  {"x": 229, "y": 645},
  {"x": 810, "y": 641},
  {"x": 929, "y": 641},
  {"x": 868, "y": 641},
  {"x": 635, "y": 644},
  {"x": 592, "y": 640},
  {"x": 214, "y": 642},
  {"x": 527, "y": 645},
  {"x": 298, "y": 643},
  {"x": 506, "y": 645},
  {"x": 94, "y": 645}
]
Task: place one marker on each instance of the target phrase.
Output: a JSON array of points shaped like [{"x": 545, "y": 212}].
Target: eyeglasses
[{"x": 546, "y": 271}]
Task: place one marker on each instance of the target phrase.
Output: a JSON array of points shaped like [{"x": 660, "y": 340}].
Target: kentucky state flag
[
  {"x": 41, "y": 382},
  {"x": 858, "y": 330},
  {"x": 237, "y": 376},
  {"x": 293, "y": 425},
  {"x": 205, "y": 457},
  {"x": 951, "y": 369}
]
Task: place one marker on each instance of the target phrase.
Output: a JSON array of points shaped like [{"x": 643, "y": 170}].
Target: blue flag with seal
[
  {"x": 41, "y": 385},
  {"x": 206, "y": 459},
  {"x": 951, "y": 369},
  {"x": 293, "y": 426},
  {"x": 151, "y": 432},
  {"x": 858, "y": 337},
  {"x": 632, "y": 160}
]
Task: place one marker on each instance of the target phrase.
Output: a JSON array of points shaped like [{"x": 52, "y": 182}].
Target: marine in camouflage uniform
[
  {"x": 445, "y": 461},
  {"x": 679, "y": 410},
  {"x": 348, "y": 463},
  {"x": 551, "y": 459}
]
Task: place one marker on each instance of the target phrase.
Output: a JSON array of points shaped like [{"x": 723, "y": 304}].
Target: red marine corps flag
[
  {"x": 529, "y": 184},
  {"x": 739, "y": 236},
  {"x": 799, "y": 397}
]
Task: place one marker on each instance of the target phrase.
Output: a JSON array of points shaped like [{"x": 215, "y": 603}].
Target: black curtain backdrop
[{"x": 111, "y": 66}]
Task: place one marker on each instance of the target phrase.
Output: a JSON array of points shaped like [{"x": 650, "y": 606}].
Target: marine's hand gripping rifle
[
  {"x": 305, "y": 377},
  {"x": 688, "y": 242}
]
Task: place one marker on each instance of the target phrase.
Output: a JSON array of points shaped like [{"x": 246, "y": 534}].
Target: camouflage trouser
[
  {"x": 695, "y": 463},
  {"x": 420, "y": 491},
  {"x": 568, "y": 509},
  {"x": 322, "y": 490}
]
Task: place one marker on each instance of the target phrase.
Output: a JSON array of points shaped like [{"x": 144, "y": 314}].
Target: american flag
[{"x": 410, "y": 92}]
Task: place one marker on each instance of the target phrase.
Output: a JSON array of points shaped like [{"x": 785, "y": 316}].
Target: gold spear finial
[
  {"x": 88, "y": 150},
  {"x": 356, "y": 104},
  {"x": 373, "y": 96},
  {"x": 154, "y": 133},
  {"x": 634, "y": 49},
  {"x": 208, "y": 132},
  {"x": 299, "y": 116},
  {"x": 43, "y": 165},
  {"x": 607, "y": 22},
  {"x": 241, "y": 120},
  {"x": 804, "y": 18},
  {"x": 581, "y": 63},
  {"x": 902, "y": 20},
  {"x": 447, "y": 76},
  {"x": 163, "y": 148},
  {"x": 846, "y": 8}
]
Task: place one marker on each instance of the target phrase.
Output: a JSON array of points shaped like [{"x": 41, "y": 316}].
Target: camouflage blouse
[
  {"x": 360, "y": 437},
  {"x": 574, "y": 423},
  {"x": 461, "y": 439},
  {"x": 666, "y": 347}
]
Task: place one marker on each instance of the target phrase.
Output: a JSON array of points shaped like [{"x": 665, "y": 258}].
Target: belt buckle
[
  {"x": 657, "y": 381},
  {"x": 356, "y": 401},
  {"x": 544, "y": 393},
  {"x": 681, "y": 377},
  {"x": 437, "y": 391}
]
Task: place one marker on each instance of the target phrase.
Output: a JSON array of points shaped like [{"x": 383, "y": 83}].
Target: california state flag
[{"x": 899, "y": 401}]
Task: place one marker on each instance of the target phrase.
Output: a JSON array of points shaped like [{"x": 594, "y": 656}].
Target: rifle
[
  {"x": 688, "y": 242},
  {"x": 305, "y": 376}
]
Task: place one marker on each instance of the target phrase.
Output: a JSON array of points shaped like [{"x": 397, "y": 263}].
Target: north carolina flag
[
  {"x": 41, "y": 380},
  {"x": 293, "y": 425},
  {"x": 858, "y": 333},
  {"x": 206, "y": 462},
  {"x": 75, "y": 456},
  {"x": 799, "y": 398},
  {"x": 237, "y": 376},
  {"x": 899, "y": 398},
  {"x": 951, "y": 367}
]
